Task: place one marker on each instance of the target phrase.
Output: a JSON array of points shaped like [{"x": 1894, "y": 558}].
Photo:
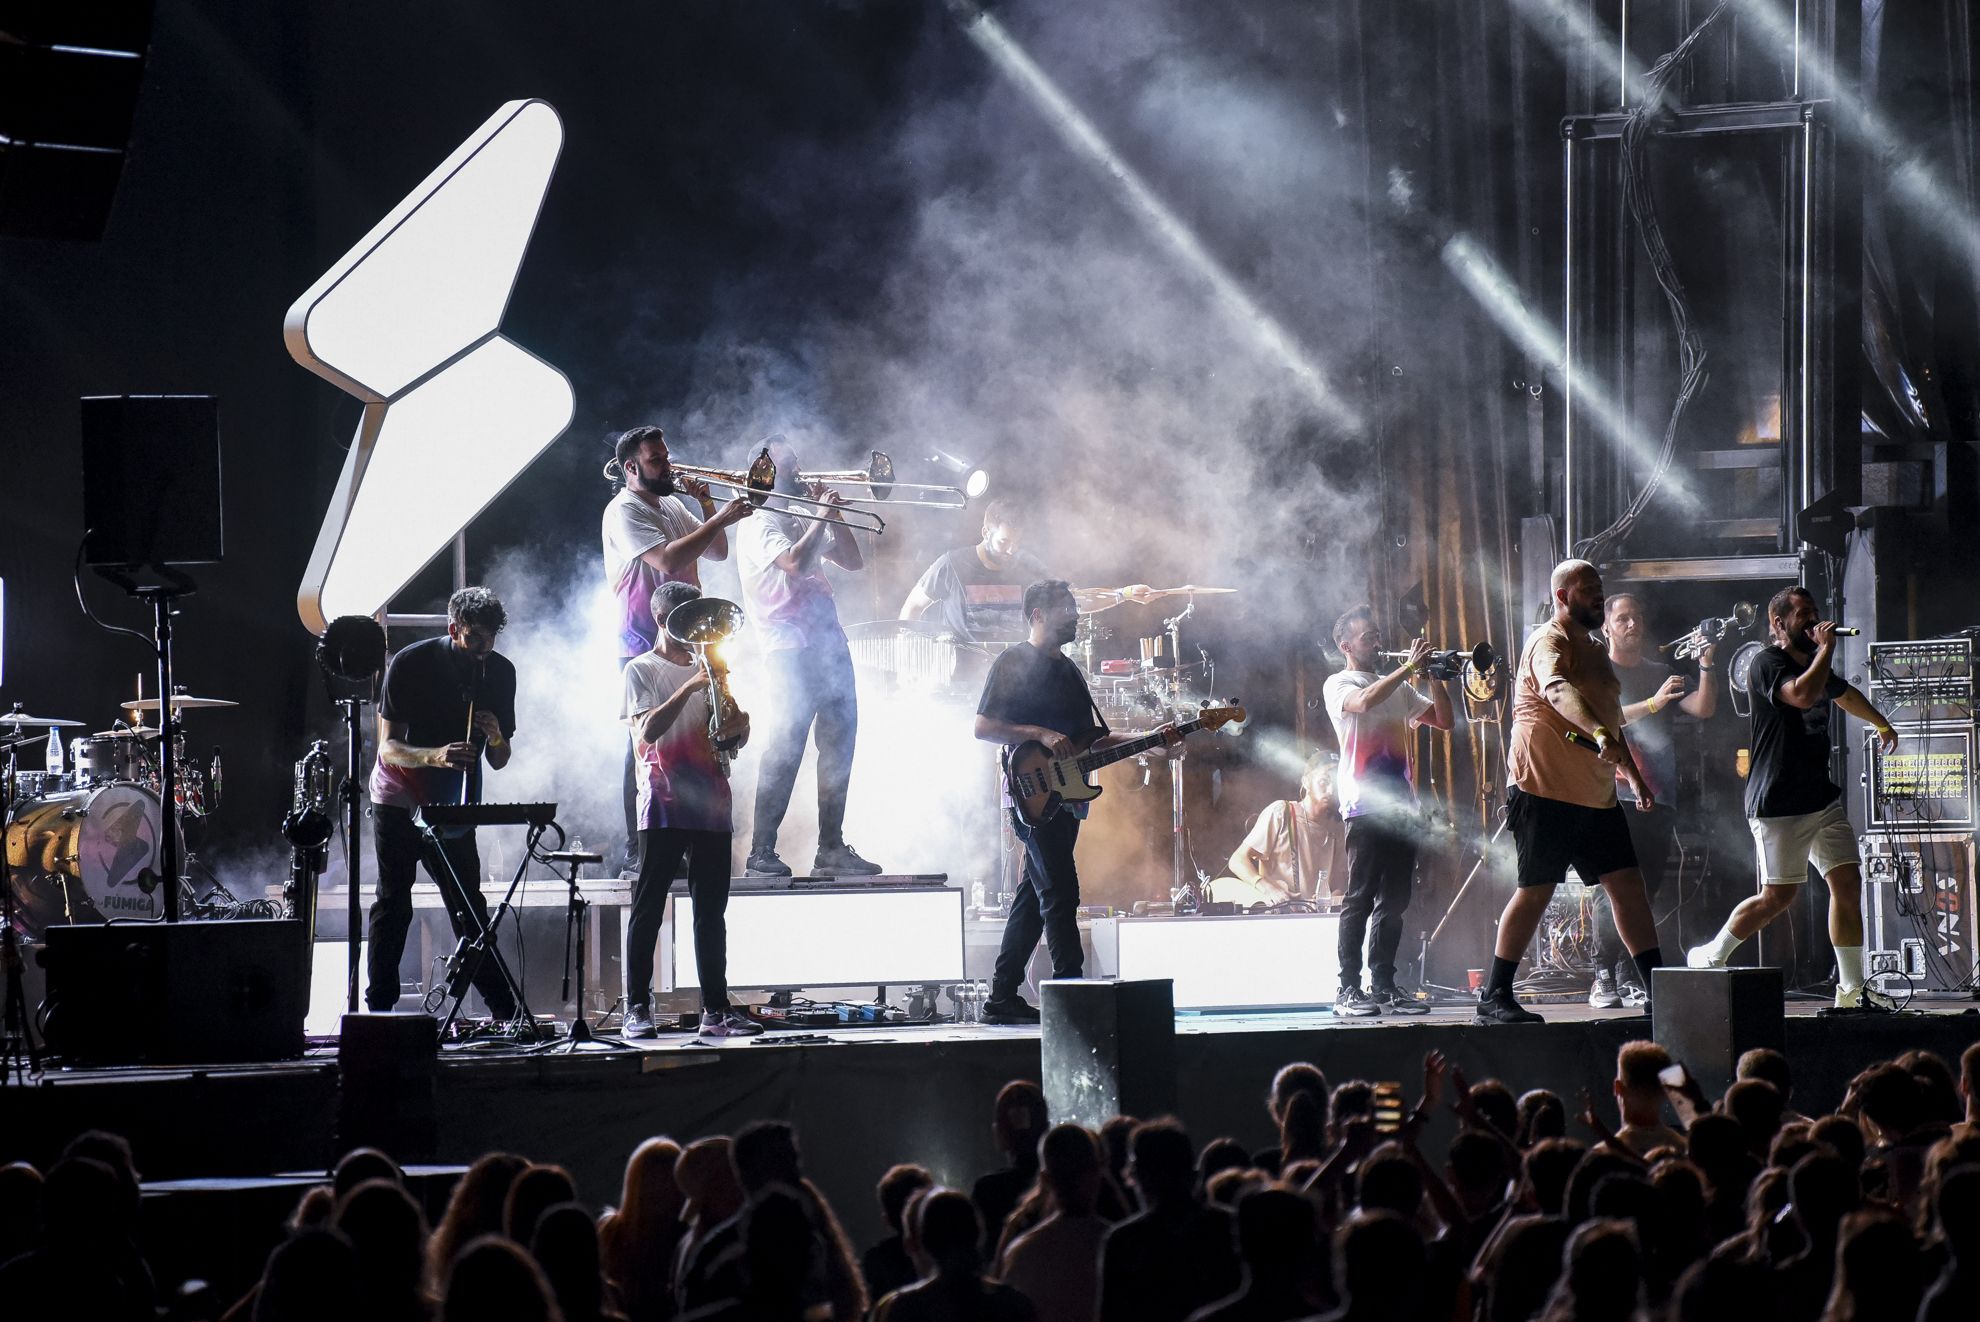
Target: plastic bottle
[
  {"x": 55, "y": 752},
  {"x": 976, "y": 897}
]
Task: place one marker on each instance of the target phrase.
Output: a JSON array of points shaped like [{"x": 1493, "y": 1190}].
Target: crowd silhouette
[{"x": 1658, "y": 1202}]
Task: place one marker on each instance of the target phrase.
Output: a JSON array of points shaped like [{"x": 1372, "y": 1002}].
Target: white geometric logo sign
[{"x": 409, "y": 322}]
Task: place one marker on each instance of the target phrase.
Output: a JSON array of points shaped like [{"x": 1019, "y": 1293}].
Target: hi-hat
[
  {"x": 17, "y": 718},
  {"x": 180, "y": 702},
  {"x": 146, "y": 732}
]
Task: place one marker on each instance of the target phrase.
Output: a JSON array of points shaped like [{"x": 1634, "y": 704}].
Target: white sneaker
[
  {"x": 1866, "y": 997},
  {"x": 1700, "y": 957}
]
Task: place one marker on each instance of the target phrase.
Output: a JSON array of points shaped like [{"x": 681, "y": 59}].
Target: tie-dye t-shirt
[
  {"x": 680, "y": 785},
  {"x": 787, "y": 611},
  {"x": 632, "y": 528},
  {"x": 1374, "y": 770}
]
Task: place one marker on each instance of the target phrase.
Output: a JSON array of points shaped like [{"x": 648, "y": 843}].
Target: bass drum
[{"x": 86, "y": 856}]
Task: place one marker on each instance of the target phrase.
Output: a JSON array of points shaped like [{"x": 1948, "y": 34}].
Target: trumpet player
[
  {"x": 684, "y": 810},
  {"x": 1654, "y": 699},
  {"x": 1373, "y": 714},
  {"x": 657, "y": 528},
  {"x": 782, "y": 557}
]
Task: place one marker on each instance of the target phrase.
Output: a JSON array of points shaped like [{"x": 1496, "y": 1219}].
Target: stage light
[
  {"x": 1538, "y": 338},
  {"x": 1079, "y": 133},
  {"x": 408, "y": 321},
  {"x": 975, "y": 481}
]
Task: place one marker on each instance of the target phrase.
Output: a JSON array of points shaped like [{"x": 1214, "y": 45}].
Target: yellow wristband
[
  {"x": 1601, "y": 732},
  {"x": 1653, "y": 705}
]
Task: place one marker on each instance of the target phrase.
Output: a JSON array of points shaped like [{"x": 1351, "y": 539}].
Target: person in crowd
[
  {"x": 1821, "y": 1193},
  {"x": 387, "y": 1232},
  {"x": 566, "y": 1248},
  {"x": 1495, "y": 1105},
  {"x": 1479, "y": 1171},
  {"x": 1640, "y": 1098},
  {"x": 494, "y": 1280},
  {"x": 706, "y": 1174},
  {"x": 1770, "y": 1065},
  {"x": 956, "y": 1289},
  {"x": 361, "y": 1166},
  {"x": 87, "y": 1263},
  {"x": 777, "y": 1267},
  {"x": 886, "y": 1266},
  {"x": 1018, "y": 1124},
  {"x": 1969, "y": 1084},
  {"x": 638, "y": 1242},
  {"x": 1602, "y": 1282},
  {"x": 1524, "y": 1267},
  {"x": 1056, "y": 1263},
  {"x": 20, "y": 1209},
  {"x": 1378, "y": 1269},
  {"x": 1542, "y": 1115},
  {"x": 1176, "y": 1254},
  {"x": 1955, "y": 1294},
  {"x": 1278, "y": 1242},
  {"x": 474, "y": 1209},
  {"x": 534, "y": 1192},
  {"x": 1299, "y": 1078},
  {"x": 1879, "y": 1275},
  {"x": 1938, "y": 1083},
  {"x": 311, "y": 1277},
  {"x": 1756, "y": 1106},
  {"x": 1217, "y": 1156}
]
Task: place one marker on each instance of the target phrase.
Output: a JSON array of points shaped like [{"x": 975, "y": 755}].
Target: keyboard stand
[{"x": 469, "y": 955}]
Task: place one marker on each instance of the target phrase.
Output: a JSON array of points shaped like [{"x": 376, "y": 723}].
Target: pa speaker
[
  {"x": 151, "y": 480},
  {"x": 1107, "y": 1048},
  {"x": 176, "y": 993},
  {"x": 69, "y": 79}
]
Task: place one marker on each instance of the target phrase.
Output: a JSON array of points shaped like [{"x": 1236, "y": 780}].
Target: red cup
[{"x": 1474, "y": 978}]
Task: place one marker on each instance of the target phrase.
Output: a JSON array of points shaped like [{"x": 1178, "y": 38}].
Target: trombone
[
  {"x": 1711, "y": 632},
  {"x": 758, "y": 483},
  {"x": 878, "y": 477},
  {"x": 1452, "y": 663}
]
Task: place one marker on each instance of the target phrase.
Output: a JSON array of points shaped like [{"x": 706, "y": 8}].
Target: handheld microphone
[{"x": 1844, "y": 632}]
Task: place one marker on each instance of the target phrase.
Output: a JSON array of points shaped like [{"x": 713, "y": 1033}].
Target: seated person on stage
[
  {"x": 1296, "y": 850},
  {"x": 977, "y": 592}
]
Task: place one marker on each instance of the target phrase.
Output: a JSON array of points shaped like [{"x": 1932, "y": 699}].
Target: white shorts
[{"x": 1789, "y": 844}]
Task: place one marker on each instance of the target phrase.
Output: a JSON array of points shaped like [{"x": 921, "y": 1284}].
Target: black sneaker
[
  {"x": 1013, "y": 1009},
  {"x": 639, "y": 1022},
  {"x": 728, "y": 1023},
  {"x": 1397, "y": 1001},
  {"x": 1354, "y": 1003},
  {"x": 842, "y": 860},
  {"x": 765, "y": 863},
  {"x": 1501, "y": 1008}
]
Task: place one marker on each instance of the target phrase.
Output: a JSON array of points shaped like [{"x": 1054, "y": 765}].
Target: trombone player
[
  {"x": 684, "y": 811},
  {"x": 782, "y": 554},
  {"x": 1374, "y": 714}
]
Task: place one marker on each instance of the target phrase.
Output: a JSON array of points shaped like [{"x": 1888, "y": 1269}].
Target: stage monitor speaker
[
  {"x": 69, "y": 79},
  {"x": 175, "y": 993},
  {"x": 1709, "y": 1018},
  {"x": 151, "y": 480},
  {"x": 389, "y": 1065},
  {"x": 1107, "y": 1049}
]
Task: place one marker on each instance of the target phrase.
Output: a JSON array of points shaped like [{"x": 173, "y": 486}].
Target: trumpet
[
  {"x": 699, "y": 625},
  {"x": 1452, "y": 663},
  {"x": 1710, "y": 632}
]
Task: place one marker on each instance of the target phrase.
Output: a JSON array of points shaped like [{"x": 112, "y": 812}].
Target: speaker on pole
[{"x": 151, "y": 480}]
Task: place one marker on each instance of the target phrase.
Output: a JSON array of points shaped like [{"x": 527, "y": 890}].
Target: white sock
[
  {"x": 1723, "y": 945},
  {"x": 1849, "y": 968}
]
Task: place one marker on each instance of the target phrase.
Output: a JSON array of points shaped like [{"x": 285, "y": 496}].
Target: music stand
[{"x": 576, "y": 920}]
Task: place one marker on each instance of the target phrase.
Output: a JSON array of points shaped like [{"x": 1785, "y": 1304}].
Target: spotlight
[{"x": 975, "y": 481}]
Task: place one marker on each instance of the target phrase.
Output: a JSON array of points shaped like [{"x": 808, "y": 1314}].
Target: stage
[{"x": 861, "y": 1099}]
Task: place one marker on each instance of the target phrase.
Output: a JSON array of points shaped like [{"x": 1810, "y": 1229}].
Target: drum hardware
[
  {"x": 20, "y": 1053},
  {"x": 351, "y": 654},
  {"x": 576, "y": 923}
]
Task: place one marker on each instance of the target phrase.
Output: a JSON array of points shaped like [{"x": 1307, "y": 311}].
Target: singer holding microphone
[
  {"x": 1794, "y": 809},
  {"x": 447, "y": 703}
]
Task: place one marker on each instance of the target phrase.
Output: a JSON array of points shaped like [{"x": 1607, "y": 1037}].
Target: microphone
[{"x": 1844, "y": 632}]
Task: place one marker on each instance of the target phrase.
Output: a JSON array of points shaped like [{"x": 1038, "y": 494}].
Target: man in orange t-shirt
[{"x": 1561, "y": 794}]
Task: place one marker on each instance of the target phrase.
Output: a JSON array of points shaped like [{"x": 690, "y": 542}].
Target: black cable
[
  {"x": 1642, "y": 206},
  {"x": 82, "y": 548}
]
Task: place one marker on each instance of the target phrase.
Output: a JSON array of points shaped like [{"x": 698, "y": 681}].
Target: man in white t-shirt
[
  {"x": 1374, "y": 714},
  {"x": 651, "y": 537},
  {"x": 1296, "y": 848},
  {"x": 789, "y": 601}
]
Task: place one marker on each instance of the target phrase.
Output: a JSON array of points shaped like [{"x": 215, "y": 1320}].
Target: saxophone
[
  {"x": 307, "y": 828},
  {"x": 699, "y": 625}
]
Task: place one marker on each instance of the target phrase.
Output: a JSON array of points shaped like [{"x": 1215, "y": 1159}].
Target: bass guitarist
[{"x": 1035, "y": 693}]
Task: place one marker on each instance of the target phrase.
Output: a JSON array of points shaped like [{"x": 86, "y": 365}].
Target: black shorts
[{"x": 1553, "y": 836}]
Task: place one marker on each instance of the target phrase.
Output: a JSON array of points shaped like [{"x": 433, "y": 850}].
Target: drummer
[
  {"x": 1297, "y": 848},
  {"x": 979, "y": 589}
]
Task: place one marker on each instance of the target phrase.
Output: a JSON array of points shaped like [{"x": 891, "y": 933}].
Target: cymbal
[
  {"x": 145, "y": 732},
  {"x": 18, "y": 718},
  {"x": 180, "y": 702},
  {"x": 1093, "y": 600}
]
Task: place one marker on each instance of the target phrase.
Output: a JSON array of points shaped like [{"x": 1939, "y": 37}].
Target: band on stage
[{"x": 1591, "y": 767}]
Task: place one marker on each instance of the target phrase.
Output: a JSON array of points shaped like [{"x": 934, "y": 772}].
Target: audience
[{"x": 1755, "y": 1211}]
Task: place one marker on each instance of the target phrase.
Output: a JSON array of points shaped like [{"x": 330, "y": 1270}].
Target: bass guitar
[{"x": 1041, "y": 784}]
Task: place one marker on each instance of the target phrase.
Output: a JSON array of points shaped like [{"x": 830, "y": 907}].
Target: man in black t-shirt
[
  {"x": 1795, "y": 810},
  {"x": 1654, "y": 700},
  {"x": 447, "y": 702},
  {"x": 978, "y": 591},
  {"x": 1035, "y": 692}
]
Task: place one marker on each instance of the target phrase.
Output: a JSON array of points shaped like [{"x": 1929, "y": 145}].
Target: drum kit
[{"x": 83, "y": 832}]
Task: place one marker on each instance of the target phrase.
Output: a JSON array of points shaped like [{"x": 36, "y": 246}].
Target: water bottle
[
  {"x": 54, "y": 752},
  {"x": 976, "y": 897},
  {"x": 577, "y": 847}
]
